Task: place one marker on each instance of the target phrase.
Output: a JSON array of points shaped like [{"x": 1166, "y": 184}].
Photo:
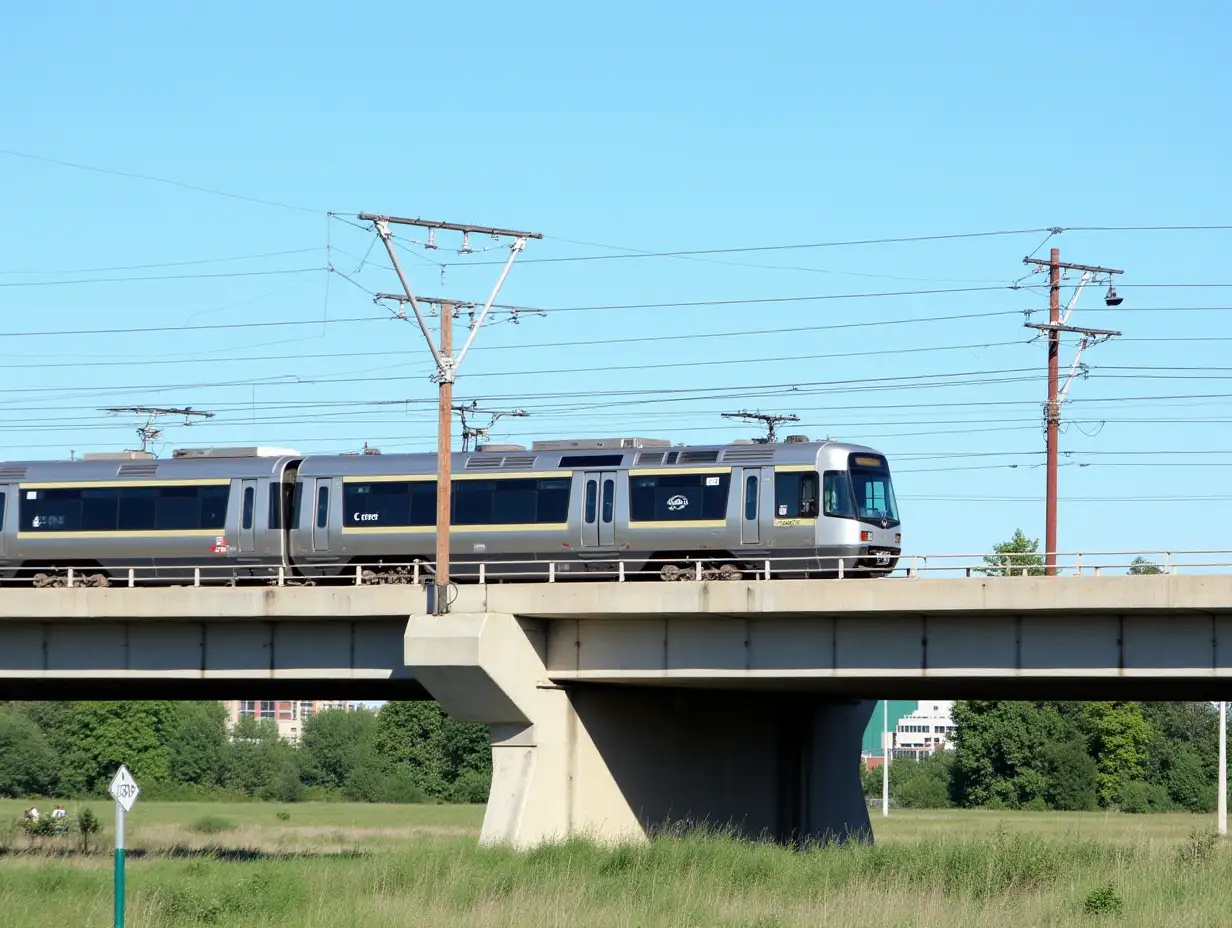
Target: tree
[
  {"x": 104, "y": 735},
  {"x": 1183, "y": 751},
  {"x": 922, "y": 784},
  {"x": 1013, "y": 556},
  {"x": 54, "y": 720},
  {"x": 999, "y": 756},
  {"x": 1072, "y": 776},
  {"x": 1117, "y": 737},
  {"x": 1141, "y": 565},
  {"x": 438, "y": 751},
  {"x": 260, "y": 763},
  {"x": 331, "y": 744},
  {"x": 198, "y": 744},
  {"x": 27, "y": 762},
  {"x": 409, "y": 733}
]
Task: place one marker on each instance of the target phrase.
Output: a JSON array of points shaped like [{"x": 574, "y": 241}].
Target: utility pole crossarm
[
  {"x": 1089, "y": 268},
  {"x": 450, "y": 226},
  {"x": 430, "y": 300},
  {"x": 1058, "y": 327}
]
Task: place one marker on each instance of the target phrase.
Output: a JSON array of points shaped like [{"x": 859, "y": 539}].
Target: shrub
[
  {"x": 1104, "y": 900},
  {"x": 211, "y": 825},
  {"x": 87, "y": 826}
]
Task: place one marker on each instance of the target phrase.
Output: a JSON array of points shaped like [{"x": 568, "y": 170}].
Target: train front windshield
[{"x": 872, "y": 488}]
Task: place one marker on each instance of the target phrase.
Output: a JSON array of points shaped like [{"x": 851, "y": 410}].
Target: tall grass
[{"x": 989, "y": 877}]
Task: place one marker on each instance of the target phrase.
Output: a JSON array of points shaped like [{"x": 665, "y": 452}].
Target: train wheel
[{"x": 729, "y": 572}]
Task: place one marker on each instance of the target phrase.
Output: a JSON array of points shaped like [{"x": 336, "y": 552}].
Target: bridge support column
[{"x": 615, "y": 763}]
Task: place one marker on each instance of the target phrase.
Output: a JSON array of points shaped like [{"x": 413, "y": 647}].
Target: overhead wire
[
  {"x": 186, "y": 263},
  {"x": 159, "y": 180}
]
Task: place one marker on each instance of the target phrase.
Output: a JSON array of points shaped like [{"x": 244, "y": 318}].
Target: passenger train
[{"x": 656, "y": 510}]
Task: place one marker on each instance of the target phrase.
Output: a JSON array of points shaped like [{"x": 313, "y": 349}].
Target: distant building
[
  {"x": 917, "y": 728},
  {"x": 871, "y": 745},
  {"x": 288, "y": 715},
  {"x": 928, "y": 729}
]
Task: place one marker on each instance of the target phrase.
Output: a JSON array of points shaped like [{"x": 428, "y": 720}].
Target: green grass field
[{"x": 325, "y": 864}]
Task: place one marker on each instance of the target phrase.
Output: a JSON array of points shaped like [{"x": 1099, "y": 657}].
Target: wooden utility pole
[
  {"x": 1052, "y": 407},
  {"x": 446, "y": 364},
  {"x": 444, "y": 470}
]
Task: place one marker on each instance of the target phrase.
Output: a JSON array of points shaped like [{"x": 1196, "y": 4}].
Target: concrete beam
[
  {"x": 345, "y": 603},
  {"x": 865, "y": 656},
  {"x": 171, "y": 655}
]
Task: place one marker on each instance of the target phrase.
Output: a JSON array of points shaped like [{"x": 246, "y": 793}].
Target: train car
[
  {"x": 221, "y": 508},
  {"x": 813, "y": 508}
]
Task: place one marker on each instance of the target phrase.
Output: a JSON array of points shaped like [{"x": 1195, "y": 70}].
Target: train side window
[
  {"x": 137, "y": 509},
  {"x": 553, "y": 500},
  {"x": 99, "y": 506},
  {"x": 471, "y": 502},
  {"x": 295, "y": 494},
  {"x": 249, "y": 496},
  {"x": 750, "y": 499},
  {"x": 678, "y": 497},
  {"x": 2, "y": 495},
  {"x": 836, "y": 495},
  {"x": 609, "y": 499},
  {"x": 795, "y": 495},
  {"x": 592, "y": 491},
  {"x": 322, "y": 506},
  {"x": 275, "y": 506},
  {"x": 423, "y": 503},
  {"x": 214, "y": 506},
  {"x": 515, "y": 501}
]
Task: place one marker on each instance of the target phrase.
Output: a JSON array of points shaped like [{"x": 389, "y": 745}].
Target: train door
[
  {"x": 248, "y": 519},
  {"x": 599, "y": 509},
  {"x": 752, "y": 486},
  {"x": 320, "y": 515}
]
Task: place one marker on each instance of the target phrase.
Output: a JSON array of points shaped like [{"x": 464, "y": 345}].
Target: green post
[{"x": 119, "y": 867}]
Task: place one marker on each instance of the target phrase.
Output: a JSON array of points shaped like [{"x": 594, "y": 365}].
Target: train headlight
[
  {"x": 898, "y": 538},
  {"x": 866, "y": 536}
]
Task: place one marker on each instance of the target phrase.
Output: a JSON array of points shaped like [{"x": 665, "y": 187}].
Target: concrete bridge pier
[{"x": 617, "y": 762}]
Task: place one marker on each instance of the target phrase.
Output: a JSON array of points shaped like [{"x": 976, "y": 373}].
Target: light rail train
[{"x": 816, "y": 509}]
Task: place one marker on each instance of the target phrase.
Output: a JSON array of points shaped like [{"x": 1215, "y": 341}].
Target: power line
[
  {"x": 634, "y": 253},
  {"x": 157, "y": 180},
  {"x": 106, "y": 280},
  {"x": 521, "y": 372},
  {"x": 141, "y": 267}
]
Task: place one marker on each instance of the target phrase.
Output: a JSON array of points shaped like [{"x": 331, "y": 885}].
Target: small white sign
[{"x": 124, "y": 788}]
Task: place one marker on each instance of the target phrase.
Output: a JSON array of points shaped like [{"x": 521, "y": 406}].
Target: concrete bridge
[{"x": 617, "y": 706}]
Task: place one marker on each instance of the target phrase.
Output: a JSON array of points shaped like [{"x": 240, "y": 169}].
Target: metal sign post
[
  {"x": 124, "y": 791},
  {"x": 1222, "y": 803},
  {"x": 885, "y": 758}
]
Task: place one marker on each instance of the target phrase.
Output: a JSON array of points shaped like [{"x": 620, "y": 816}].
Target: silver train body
[{"x": 814, "y": 509}]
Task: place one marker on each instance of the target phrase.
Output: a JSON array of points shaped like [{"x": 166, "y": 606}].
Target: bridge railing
[{"x": 621, "y": 570}]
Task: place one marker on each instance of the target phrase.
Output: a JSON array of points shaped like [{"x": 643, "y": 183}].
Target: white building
[{"x": 929, "y": 728}]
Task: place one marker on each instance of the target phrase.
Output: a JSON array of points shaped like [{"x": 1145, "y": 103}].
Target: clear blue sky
[{"x": 654, "y": 127}]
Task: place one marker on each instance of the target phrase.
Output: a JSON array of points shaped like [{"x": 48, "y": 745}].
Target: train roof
[
  {"x": 186, "y": 464},
  {"x": 572, "y": 455}
]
